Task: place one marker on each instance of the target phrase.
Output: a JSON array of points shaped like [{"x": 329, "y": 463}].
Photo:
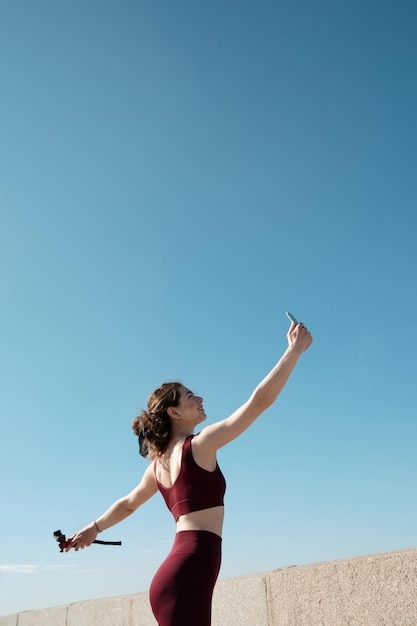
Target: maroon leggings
[{"x": 182, "y": 588}]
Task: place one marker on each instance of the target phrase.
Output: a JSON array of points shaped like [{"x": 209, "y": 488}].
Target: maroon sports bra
[{"x": 195, "y": 488}]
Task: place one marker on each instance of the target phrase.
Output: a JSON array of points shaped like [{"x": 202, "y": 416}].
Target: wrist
[
  {"x": 293, "y": 351},
  {"x": 96, "y": 527}
]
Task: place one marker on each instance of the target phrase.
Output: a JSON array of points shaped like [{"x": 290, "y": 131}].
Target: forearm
[
  {"x": 270, "y": 387},
  {"x": 299, "y": 340},
  {"x": 118, "y": 511},
  {"x": 115, "y": 514}
]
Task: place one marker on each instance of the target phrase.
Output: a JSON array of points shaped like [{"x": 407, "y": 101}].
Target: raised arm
[
  {"x": 219, "y": 434},
  {"x": 121, "y": 509}
]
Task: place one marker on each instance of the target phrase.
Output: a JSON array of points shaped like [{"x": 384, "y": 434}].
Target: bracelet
[{"x": 96, "y": 526}]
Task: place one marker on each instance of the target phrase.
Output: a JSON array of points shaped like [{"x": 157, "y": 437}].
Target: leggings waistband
[{"x": 197, "y": 540}]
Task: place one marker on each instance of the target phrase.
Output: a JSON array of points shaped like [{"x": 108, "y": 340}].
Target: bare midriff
[{"x": 206, "y": 519}]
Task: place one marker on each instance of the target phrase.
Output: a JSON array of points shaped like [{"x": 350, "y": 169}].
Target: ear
[{"x": 172, "y": 412}]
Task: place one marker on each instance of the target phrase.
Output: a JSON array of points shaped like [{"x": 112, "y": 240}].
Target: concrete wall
[{"x": 375, "y": 590}]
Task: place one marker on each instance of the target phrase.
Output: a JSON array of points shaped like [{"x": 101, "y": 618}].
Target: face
[{"x": 190, "y": 407}]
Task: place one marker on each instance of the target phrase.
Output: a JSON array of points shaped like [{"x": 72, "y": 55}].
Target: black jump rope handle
[{"x": 64, "y": 543}]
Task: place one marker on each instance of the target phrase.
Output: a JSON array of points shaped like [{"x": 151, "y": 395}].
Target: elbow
[
  {"x": 261, "y": 401},
  {"x": 127, "y": 506},
  {"x": 130, "y": 507}
]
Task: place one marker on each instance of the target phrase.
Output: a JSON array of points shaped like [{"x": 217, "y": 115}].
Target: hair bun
[{"x": 153, "y": 427}]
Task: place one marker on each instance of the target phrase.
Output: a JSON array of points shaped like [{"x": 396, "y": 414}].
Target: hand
[
  {"x": 82, "y": 539},
  {"x": 299, "y": 337}
]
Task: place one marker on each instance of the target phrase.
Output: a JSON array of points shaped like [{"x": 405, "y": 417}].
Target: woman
[{"x": 185, "y": 471}]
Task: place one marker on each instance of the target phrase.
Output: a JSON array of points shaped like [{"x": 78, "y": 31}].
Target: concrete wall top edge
[{"x": 364, "y": 557}]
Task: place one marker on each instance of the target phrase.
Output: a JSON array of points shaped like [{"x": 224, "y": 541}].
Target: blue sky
[{"x": 174, "y": 177}]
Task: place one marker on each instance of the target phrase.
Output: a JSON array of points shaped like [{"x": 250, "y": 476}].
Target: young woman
[{"x": 185, "y": 471}]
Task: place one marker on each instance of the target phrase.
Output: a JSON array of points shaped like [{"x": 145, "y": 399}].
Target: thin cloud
[
  {"x": 56, "y": 567},
  {"x": 29, "y": 568},
  {"x": 19, "y": 569}
]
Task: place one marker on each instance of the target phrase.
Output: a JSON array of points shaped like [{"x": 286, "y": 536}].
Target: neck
[{"x": 181, "y": 433}]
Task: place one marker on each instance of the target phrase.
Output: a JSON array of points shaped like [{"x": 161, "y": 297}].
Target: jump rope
[{"x": 63, "y": 542}]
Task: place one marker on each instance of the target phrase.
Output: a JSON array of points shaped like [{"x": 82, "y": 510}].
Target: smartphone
[{"x": 291, "y": 317}]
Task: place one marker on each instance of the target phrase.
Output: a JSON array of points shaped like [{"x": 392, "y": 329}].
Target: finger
[
  {"x": 74, "y": 544},
  {"x": 70, "y": 544}
]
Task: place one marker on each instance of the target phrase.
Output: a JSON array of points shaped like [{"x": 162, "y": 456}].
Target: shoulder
[
  {"x": 203, "y": 454},
  {"x": 145, "y": 490},
  {"x": 149, "y": 477}
]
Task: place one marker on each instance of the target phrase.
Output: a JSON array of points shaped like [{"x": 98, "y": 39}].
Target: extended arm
[
  {"x": 121, "y": 509},
  {"x": 217, "y": 435}
]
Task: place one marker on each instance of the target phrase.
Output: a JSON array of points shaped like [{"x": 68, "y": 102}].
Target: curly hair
[{"x": 153, "y": 427}]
